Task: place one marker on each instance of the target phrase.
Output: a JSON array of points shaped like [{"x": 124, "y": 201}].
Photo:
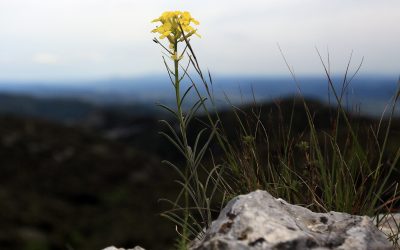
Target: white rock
[
  {"x": 114, "y": 248},
  {"x": 389, "y": 224},
  {"x": 259, "y": 221}
]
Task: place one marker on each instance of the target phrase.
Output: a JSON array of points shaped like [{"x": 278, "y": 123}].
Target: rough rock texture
[
  {"x": 259, "y": 221},
  {"x": 389, "y": 224},
  {"x": 114, "y": 248}
]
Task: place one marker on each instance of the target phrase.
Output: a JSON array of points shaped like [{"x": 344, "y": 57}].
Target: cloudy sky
[{"x": 94, "y": 39}]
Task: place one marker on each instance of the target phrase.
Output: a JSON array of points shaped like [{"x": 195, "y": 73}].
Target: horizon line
[{"x": 94, "y": 80}]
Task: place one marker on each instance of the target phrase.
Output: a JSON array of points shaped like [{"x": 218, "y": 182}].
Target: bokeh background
[{"x": 80, "y": 154}]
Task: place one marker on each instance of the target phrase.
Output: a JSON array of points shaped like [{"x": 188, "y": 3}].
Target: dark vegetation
[
  {"x": 69, "y": 188},
  {"x": 97, "y": 182}
]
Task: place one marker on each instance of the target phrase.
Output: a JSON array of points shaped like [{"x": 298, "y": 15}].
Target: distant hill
[
  {"x": 70, "y": 110},
  {"x": 370, "y": 93}
]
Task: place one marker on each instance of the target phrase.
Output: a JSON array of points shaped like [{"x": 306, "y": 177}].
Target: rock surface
[
  {"x": 390, "y": 225},
  {"x": 114, "y": 248},
  {"x": 260, "y": 221}
]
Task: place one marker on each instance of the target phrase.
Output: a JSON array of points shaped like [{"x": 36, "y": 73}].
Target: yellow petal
[
  {"x": 173, "y": 22},
  {"x": 195, "y": 21}
]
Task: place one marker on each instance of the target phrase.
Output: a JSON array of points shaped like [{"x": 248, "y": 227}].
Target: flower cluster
[{"x": 172, "y": 25}]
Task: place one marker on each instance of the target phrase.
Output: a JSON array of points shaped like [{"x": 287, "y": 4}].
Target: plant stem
[{"x": 182, "y": 126}]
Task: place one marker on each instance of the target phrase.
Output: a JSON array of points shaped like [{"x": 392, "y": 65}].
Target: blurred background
[{"x": 80, "y": 154}]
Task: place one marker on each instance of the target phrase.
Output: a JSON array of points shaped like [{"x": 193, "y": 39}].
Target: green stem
[{"x": 182, "y": 126}]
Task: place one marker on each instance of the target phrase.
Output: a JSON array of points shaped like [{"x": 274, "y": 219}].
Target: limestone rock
[
  {"x": 259, "y": 221},
  {"x": 389, "y": 224},
  {"x": 114, "y": 248}
]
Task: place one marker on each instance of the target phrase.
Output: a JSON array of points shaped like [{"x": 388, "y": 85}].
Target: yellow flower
[{"x": 172, "y": 24}]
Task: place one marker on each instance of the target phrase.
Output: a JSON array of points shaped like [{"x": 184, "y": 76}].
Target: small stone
[{"x": 114, "y": 248}]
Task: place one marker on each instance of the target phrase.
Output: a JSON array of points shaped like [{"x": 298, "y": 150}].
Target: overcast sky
[{"x": 94, "y": 39}]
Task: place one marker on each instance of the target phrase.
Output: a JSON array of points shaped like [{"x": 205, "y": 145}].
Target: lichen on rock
[{"x": 260, "y": 221}]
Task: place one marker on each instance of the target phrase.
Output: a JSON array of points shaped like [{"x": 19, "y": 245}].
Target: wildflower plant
[{"x": 193, "y": 203}]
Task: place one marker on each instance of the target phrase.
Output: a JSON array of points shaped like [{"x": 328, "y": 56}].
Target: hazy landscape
[
  {"x": 78, "y": 161},
  {"x": 366, "y": 95}
]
